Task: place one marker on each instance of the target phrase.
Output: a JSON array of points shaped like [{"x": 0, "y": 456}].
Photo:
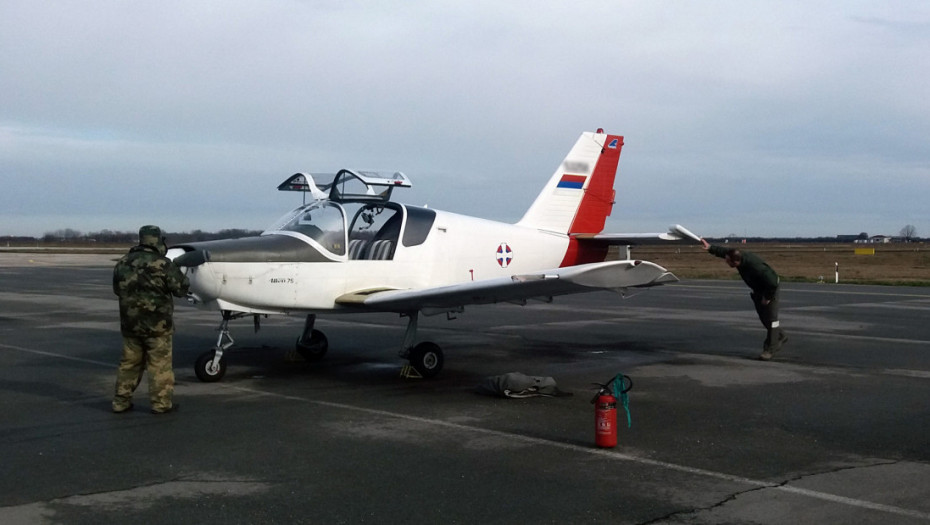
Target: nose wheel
[{"x": 210, "y": 368}]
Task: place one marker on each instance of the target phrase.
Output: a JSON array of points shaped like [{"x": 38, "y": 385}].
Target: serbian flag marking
[{"x": 575, "y": 182}]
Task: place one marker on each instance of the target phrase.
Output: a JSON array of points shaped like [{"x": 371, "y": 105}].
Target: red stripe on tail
[{"x": 599, "y": 196}]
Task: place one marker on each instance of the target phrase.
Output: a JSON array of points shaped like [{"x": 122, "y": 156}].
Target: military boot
[{"x": 769, "y": 349}]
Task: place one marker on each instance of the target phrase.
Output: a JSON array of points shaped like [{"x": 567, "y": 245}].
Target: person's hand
[{"x": 706, "y": 245}]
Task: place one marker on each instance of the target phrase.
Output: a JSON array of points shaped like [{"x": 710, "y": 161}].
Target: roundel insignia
[{"x": 504, "y": 255}]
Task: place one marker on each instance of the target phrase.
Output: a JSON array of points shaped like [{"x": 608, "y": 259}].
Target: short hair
[{"x": 735, "y": 255}]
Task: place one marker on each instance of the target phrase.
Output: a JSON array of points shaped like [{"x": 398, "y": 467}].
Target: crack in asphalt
[{"x": 784, "y": 486}]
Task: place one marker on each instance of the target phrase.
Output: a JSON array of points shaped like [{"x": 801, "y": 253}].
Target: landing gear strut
[
  {"x": 210, "y": 366},
  {"x": 426, "y": 358}
]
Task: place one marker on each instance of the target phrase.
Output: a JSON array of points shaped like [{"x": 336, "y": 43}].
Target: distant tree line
[
  {"x": 907, "y": 234},
  {"x": 840, "y": 239}
]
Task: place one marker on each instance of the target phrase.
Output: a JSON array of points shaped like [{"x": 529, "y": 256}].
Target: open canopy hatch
[{"x": 348, "y": 185}]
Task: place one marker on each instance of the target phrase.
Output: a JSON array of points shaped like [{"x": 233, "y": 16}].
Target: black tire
[
  {"x": 427, "y": 359},
  {"x": 207, "y": 373},
  {"x": 313, "y": 349}
]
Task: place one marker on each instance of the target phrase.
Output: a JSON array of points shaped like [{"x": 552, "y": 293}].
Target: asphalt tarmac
[{"x": 836, "y": 429}]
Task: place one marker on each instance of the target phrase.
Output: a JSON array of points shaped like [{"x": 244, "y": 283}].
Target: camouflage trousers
[{"x": 141, "y": 354}]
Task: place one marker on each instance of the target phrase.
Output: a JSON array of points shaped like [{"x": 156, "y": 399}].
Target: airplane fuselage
[
  {"x": 354, "y": 250},
  {"x": 456, "y": 249}
]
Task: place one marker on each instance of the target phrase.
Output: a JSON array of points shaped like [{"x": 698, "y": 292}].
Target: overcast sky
[{"x": 758, "y": 118}]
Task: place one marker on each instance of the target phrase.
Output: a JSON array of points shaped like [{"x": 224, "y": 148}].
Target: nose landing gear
[{"x": 210, "y": 367}]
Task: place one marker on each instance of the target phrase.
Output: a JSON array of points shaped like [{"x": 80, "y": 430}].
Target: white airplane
[{"x": 353, "y": 250}]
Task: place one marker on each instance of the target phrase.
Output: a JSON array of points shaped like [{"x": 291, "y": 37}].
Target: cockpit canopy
[
  {"x": 356, "y": 185},
  {"x": 354, "y": 212}
]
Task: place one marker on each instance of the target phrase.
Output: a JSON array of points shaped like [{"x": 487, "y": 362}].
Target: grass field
[{"x": 891, "y": 264}]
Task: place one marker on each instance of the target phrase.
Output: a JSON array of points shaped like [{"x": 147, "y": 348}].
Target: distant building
[{"x": 879, "y": 239}]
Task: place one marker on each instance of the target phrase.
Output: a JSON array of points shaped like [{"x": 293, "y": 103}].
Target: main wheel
[
  {"x": 313, "y": 348},
  {"x": 426, "y": 358},
  {"x": 205, "y": 369}
]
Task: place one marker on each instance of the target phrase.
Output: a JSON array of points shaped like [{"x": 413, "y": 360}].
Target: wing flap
[{"x": 613, "y": 275}]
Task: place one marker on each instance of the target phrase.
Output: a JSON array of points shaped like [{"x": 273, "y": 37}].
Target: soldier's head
[
  {"x": 734, "y": 258},
  {"x": 150, "y": 235}
]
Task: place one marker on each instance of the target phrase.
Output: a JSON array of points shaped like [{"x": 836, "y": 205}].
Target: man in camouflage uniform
[
  {"x": 145, "y": 280},
  {"x": 762, "y": 279}
]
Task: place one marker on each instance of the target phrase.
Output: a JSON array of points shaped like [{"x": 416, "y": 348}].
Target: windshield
[{"x": 323, "y": 222}]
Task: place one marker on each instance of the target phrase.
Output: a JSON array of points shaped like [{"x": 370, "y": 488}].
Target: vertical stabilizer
[{"x": 579, "y": 196}]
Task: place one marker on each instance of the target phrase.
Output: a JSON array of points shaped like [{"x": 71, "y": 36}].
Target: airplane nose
[
  {"x": 189, "y": 258},
  {"x": 203, "y": 284},
  {"x": 174, "y": 252}
]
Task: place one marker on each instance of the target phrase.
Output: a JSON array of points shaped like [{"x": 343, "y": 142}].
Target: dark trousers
[{"x": 768, "y": 314}]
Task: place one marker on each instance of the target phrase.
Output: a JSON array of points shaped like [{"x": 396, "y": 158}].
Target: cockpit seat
[
  {"x": 357, "y": 247},
  {"x": 380, "y": 250}
]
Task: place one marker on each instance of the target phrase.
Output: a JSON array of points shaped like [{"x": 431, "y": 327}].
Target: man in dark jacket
[
  {"x": 145, "y": 281},
  {"x": 763, "y": 281}
]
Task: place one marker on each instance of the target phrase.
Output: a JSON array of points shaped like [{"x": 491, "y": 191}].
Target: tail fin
[{"x": 580, "y": 195}]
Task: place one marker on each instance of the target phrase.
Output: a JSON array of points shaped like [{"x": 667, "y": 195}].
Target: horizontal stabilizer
[
  {"x": 678, "y": 228},
  {"x": 675, "y": 234}
]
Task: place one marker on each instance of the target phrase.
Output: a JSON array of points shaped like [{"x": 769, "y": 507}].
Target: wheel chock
[
  {"x": 409, "y": 372},
  {"x": 293, "y": 356}
]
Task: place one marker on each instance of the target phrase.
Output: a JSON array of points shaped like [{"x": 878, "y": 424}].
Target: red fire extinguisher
[
  {"x": 605, "y": 420},
  {"x": 605, "y": 409}
]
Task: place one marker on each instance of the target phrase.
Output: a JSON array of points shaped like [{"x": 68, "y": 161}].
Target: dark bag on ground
[{"x": 517, "y": 385}]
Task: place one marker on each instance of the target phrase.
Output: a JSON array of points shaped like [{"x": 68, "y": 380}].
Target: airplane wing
[{"x": 612, "y": 275}]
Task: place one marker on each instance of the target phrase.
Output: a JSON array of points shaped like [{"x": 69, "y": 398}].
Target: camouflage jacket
[{"x": 145, "y": 280}]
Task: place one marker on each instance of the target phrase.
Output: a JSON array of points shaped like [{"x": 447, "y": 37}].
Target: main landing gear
[
  {"x": 312, "y": 344},
  {"x": 426, "y": 358}
]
